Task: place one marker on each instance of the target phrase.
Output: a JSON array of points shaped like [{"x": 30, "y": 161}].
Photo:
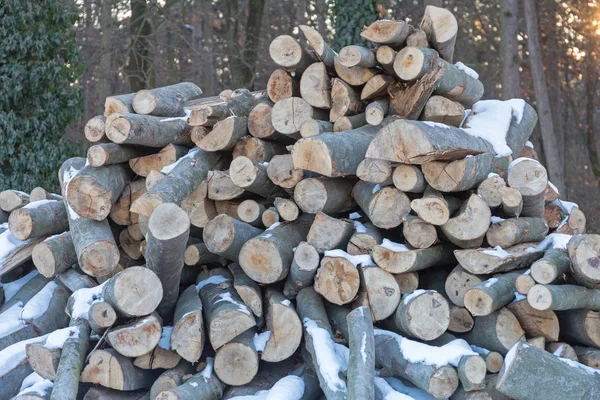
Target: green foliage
[
  {"x": 349, "y": 17},
  {"x": 39, "y": 65}
]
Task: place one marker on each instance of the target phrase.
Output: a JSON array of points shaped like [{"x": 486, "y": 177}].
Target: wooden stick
[
  {"x": 563, "y": 297},
  {"x": 458, "y": 282},
  {"x": 282, "y": 85},
  {"x": 250, "y": 211},
  {"x": 376, "y": 87},
  {"x": 236, "y": 362},
  {"x": 101, "y": 316},
  {"x": 287, "y": 209},
  {"x": 578, "y": 326},
  {"x": 361, "y": 364},
  {"x": 302, "y": 270},
  {"x": 284, "y": 325},
  {"x": 120, "y": 211},
  {"x": 39, "y": 193},
  {"x": 424, "y": 315},
  {"x": 364, "y": 238},
  {"x": 354, "y": 76},
  {"x": 288, "y": 114},
  {"x": 187, "y": 336}
]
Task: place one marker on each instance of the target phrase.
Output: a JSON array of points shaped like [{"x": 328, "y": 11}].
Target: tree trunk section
[{"x": 361, "y": 364}]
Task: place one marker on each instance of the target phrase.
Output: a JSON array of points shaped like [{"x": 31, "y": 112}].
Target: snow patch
[
  {"x": 208, "y": 370},
  {"x": 8, "y": 244},
  {"x": 363, "y": 347},
  {"x": 35, "y": 384},
  {"x": 165, "y": 338},
  {"x": 495, "y": 219},
  {"x": 290, "y": 387},
  {"x": 558, "y": 241},
  {"x": 490, "y": 282},
  {"x": 480, "y": 350},
  {"x": 496, "y": 252},
  {"x": 529, "y": 144},
  {"x": 184, "y": 118},
  {"x": 241, "y": 306},
  {"x": 10, "y": 320},
  {"x": 275, "y": 225},
  {"x": 376, "y": 189},
  {"x": 260, "y": 340},
  {"x": 57, "y": 339},
  {"x": 354, "y": 215},
  {"x": 286, "y": 303},
  {"x": 15, "y": 354},
  {"x": 393, "y": 246},
  {"x": 469, "y": 71},
  {"x": 67, "y": 176},
  {"x": 553, "y": 187},
  {"x": 407, "y": 297},
  {"x": 213, "y": 280},
  {"x": 167, "y": 169},
  {"x": 193, "y": 384},
  {"x": 38, "y": 305},
  {"x": 519, "y": 297},
  {"x": 328, "y": 360},
  {"x": 575, "y": 364},
  {"x": 388, "y": 392},
  {"x": 362, "y": 260},
  {"x": 359, "y": 228},
  {"x": 490, "y": 120},
  {"x": 11, "y": 288},
  {"x": 566, "y": 206},
  {"x": 83, "y": 299},
  {"x": 519, "y": 160},
  {"x": 518, "y": 106},
  {"x": 436, "y": 124},
  {"x": 512, "y": 353}
]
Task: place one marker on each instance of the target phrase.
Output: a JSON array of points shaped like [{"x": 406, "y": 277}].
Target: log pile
[{"x": 365, "y": 228}]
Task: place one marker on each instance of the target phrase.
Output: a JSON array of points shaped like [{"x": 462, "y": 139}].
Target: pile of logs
[{"x": 364, "y": 228}]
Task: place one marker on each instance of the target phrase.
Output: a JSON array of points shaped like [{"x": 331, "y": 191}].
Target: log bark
[
  {"x": 94, "y": 129},
  {"x": 10, "y": 200},
  {"x": 315, "y": 86},
  {"x": 393, "y": 33},
  {"x": 490, "y": 261},
  {"x": 257, "y": 150},
  {"x": 287, "y": 209},
  {"x": 288, "y": 115},
  {"x": 236, "y": 362},
  {"x": 534, "y": 322},
  {"x": 253, "y": 178},
  {"x": 328, "y": 233},
  {"x": 224, "y": 135},
  {"x": 122, "y": 103},
  {"x": 409, "y": 178},
  {"x": 112, "y": 370},
  {"x": 38, "y": 219},
  {"x": 133, "y": 292},
  {"x": 187, "y": 336},
  {"x": 492, "y": 294},
  {"x": 563, "y": 297},
  {"x": 142, "y": 164},
  {"x": 171, "y": 378},
  {"x": 468, "y": 226},
  {"x": 168, "y": 233},
  {"x": 399, "y": 260},
  {"x": 444, "y": 111},
  {"x": 441, "y": 28},
  {"x": 101, "y": 316},
  {"x": 285, "y": 327},
  {"x": 282, "y": 85},
  {"x": 328, "y": 195},
  {"x": 137, "y": 337},
  {"x": 375, "y": 88},
  {"x": 588, "y": 356},
  {"x": 527, "y": 362},
  {"x": 458, "y": 282},
  {"x": 361, "y": 364},
  {"x": 385, "y": 207},
  {"x": 347, "y": 123},
  {"x": 579, "y": 326},
  {"x": 302, "y": 270},
  {"x": 418, "y": 233},
  {"x": 459, "y": 175},
  {"x": 354, "y": 76},
  {"x": 266, "y": 258},
  {"x": 517, "y": 230},
  {"x": 498, "y": 331},
  {"x": 381, "y": 289},
  {"x": 322, "y": 50},
  {"x": 424, "y": 314},
  {"x": 165, "y": 101},
  {"x": 365, "y": 237},
  {"x": 69, "y": 371},
  {"x": 583, "y": 252},
  {"x": 147, "y": 130},
  {"x": 247, "y": 289},
  {"x": 226, "y": 315},
  {"x": 415, "y": 142},
  {"x": 287, "y": 53},
  {"x": 551, "y": 268},
  {"x": 225, "y": 236},
  {"x": 529, "y": 177},
  {"x": 203, "y": 386},
  {"x": 491, "y": 190}
]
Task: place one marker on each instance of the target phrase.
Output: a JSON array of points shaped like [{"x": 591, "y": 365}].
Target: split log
[
  {"x": 257, "y": 150},
  {"x": 236, "y": 362},
  {"x": 171, "y": 378},
  {"x": 563, "y": 297},
  {"x": 302, "y": 270},
  {"x": 441, "y": 28},
  {"x": 284, "y": 325},
  {"x": 322, "y": 50},
  {"x": 458, "y": 282},
  {"x": 528, "y": 369},
  {"x": 535, "y": 322},
  {"x": 136, "y": 338},
  {"x": 224, "y": 135},
  {"x": 385, "y": 207},
  {"x": 287, "y": 53},
  {"x": 247, "y": 289},
  {"x": 143, "y": 164},
  {"x": 129, "y": 245},
  {"x": 147, "y": 130},
  {"x": 315, "y": 86},
  {"x": 588, "y": 356},
  {"x": 282, "y": 85},
  {"x": 133, "y": 292},
  {"x": 333, "y": 154},
  {"x": 498, "y": 331},
  {"x": 583, "y": 252},
  {"x": 337, "y": 279},
  {"x": 39, "y": 193},
  {"x": 281, "y": 171},
  {"x": 459, "y": 175},
  {"x": 345, "y": 100},
  {"x": 225, "y": 313},
  {"x": 10, "y": 200},
  {"x": 122, "y": 103},
  {"x": 203, "y": 386},
  {"x": 512, "y": 202},
  {"x": 354, "y": 76},
  {"x": 491, "y": 190},
  {"x": 562, "y": 350},
  {"x": 187, "y": 336},
  {"x": 409, "y": 178},
  {"x": 551, "y": 268},
  {"x": 120, "y": 211},
  {"x": 438, "y": 380},
  {"x": 377, "y": 87},
  {"x": 43, "y": 360},
  {"x": 219, "y": 186},
  {"x": 328, "y": 195},
  {"x": 328, "y": 233},
  {"x": 517, "y": 230},
  {"x": 288, "y": 114},
  {"x": 260, "y": 125},
  {"x": 165, "y": 101},
  {"x": 490, "y": 261},
  {"x": 37, "y": 219},
  {"x": 382, "y": 291},
  {"x": 575, "y": 224},
  {"x": 469, "y": 225},
  {"x": 365, "y": 237},
  {"x": 168, "y": 233},
  {"x": 385, "y": 57},
  {"x": 491, "y": 295},
  {"x": 461, "y": 320},
  {"x": 347, "y": 123},
  {"x": 553, "y": 215},
  {"x": 287, "y": 209},
  {"x": 397, "y": 259},
  {"x": 418, "y": 233},
  {"x": 253, "y": 177},
  {"x": 444, "y": 111},
  {"x": 424, "y": 314},
  {"x": 94, "y": 128},
  {"x": 393, "y": 33},
  {"x": 112, "y": 370},
  {"x": 266, "y": 258},
  {"x": 579, "y": 326},
  {"x": 361, "y": 363},
  {"x": 15, "y": 368},
  {"x": 250, "y": 211},
  {"x": 101, "y": 316},
  {"x": 184, "y": 177},
  {"x": 524, "y": 283},
  {"x": 225, "y": 236},
  {"x": 530, "y": 178}
]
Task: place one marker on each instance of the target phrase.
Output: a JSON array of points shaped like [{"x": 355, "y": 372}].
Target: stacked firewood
[{"x": 365, "y": 228}]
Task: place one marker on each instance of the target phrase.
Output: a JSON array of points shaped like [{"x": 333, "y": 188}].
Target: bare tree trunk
[
  {"x": 138, "y": 68},
  {"x": 591, "y": 84},
  {"x": 549, "y": 141},
  {"x": 509, "y": 48},
  {"x": 105, "y": 88},
  {"x": 202, "y": 47}
]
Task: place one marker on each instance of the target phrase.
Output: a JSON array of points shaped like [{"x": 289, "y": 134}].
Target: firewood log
[
  {"x": 288, "y": 114},
  {"x": 29, "y": 286},
  {"x": 253, "y": 178},
  {"x": 498, "y": 331},
  {"x": 247, "y": 289},
  {"x": 551, "y": 268},
  {"x": 101, "y": 316},
  {"x": 39, "y": 193},
  {"x": 165, "y": 101},
  {"x": 353, "y": 56},
  {"x": 285, "y": 327},
  {"x": 328, "y": 195},
  {"x": 226, "y": 315},
  {"x": 381, "y": 289},
  {"x": 16, "y": 368},
  {"x": 144, "y": 163},
  {"x": 424, "y": 314},
  {"x": 147, "y": 130},
  {"x": 493, "y": 359},
  {"x": 260, "y": 125},
  {"x": 282, "y": 85},
  {"x": 224, "y": 135},
  {"x": 266, "y": 258},
  {"x": 38, "y": 219},
  {"x": 94, "y": 129},
  {"x": 489, "y": 261},
  {"x": 73, "y": 280},
  {"x": 345, "y": 100},
  {"x": 315, "y": 86},
  {"x": 563, "y": 297},
  {"x": 575, "y": 224},
  {"x": 409, "y": 178},
  {"x": 491, "y": 190},
  {"x": 385, "y": 207},
  {"x": 534, "y": 322},
  {"x": 458, "y": 282},
  {"x": 236, "y": 362},
  {"x": 512, "y": 202},
  {"x": 250, "y": 211},
  {"x": 385, "y": 57},
  {"x": 407, "y": 281},
  {"x": 396, "y": 258},
  {"x": 441, "y": 28},
  {"x": 287, "y": 209},
  {"x": 171, "y": 378},
  {"x": 459, "y": 175},
  {"x": 187, "y": 336},
  {"x": 268, "y": 374},
  {"x": 139, "y": 280},
  {"x": 529, "y": 177},
  {"x": 112, "y": 153},
  {"x": 287, "y": 53},
  {"x": 583, "y": 252},
  {"x": 375, "y": 88},
  {"x": 257, "y": 150},
  {"x": 418, "y": 233},
  {"x": 219, "y": 186},
  {"x": 469, "y": 225},
  {"x": 302, "y": 270},
  {"x": 524, "y": 283},
  {"x": 376, "y": 111},
  {"x": 322, "y": 50},
  {"x": 393, "y": 33},
  {"x": 579, "y": 326},
  {"x": 492, "y": 294},
  {"x": 328, "y": 233},
  {"x": 184, "y": 177},
  {"x": 562, "y": 350},
  {"x": 136, "y": 338},
  {"x": 153, "y": 177},
  {"x": 10, "y": 200},
  {"x": 313, "y": 127},
  {"x": 120, "y": 211},
  {"x": 364, "y": 238},
  {"x": 122, "y": 103},
  {"x": 198, "y": 254},
  {"x": 102, "y": 393},
  {"x": 337, "y": 279},
  {"x": 347, "y": 123},
  {"x": 203, "y": 386},
  {"x": 354, "y": 76},
  {"x": 588, "y": 356},
  {"x": 461, "y": 320},
  {"x": 443, "y": 110},
  {"x": 527, "y": 362},
  {"x": 517, "y": 230},
  {"x": 281, "y": 171},
  {"x": 225, "y": 236},
  {"x": 361, "y": 363}
]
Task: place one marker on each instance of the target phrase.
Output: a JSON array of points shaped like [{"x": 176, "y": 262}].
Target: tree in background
[
  {"x": 349, "y": 17},
  {"x": 39, "y": 65}
]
